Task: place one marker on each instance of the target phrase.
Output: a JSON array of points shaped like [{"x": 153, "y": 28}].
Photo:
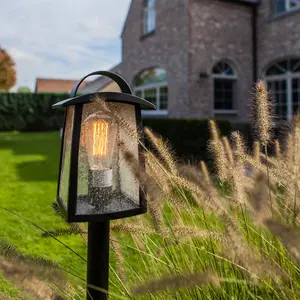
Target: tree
[
  {"x": 7, "y": 71},
  {"x": 24, "y": 89}
]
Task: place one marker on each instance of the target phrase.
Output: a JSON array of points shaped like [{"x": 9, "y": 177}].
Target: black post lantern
[{"x": 95, "y": 183}]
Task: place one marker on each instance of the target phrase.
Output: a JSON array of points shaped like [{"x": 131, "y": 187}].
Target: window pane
[
  {"x": 280, "y": 6},
  {"x": 138, "y": 93},
  {"x": 278, "y": 92},
  {"x": 150, "y": 95},
  {"x": 151, "y": 76},
  {"x": 223, "y": 68},
  {"x": 296, "y": 95},
  {"x": 223, "y": 94},
  {"x": 164, "y": 97}
]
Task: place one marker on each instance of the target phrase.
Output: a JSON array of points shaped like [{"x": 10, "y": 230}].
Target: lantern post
[{"x": 95, "y": 183}]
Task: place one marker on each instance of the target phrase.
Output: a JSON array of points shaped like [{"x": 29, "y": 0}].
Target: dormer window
[
  {"x": 149, "y": 16},
  {"x": 284, "y": 6}
]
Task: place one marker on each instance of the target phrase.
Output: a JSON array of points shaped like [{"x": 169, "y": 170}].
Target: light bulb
[{"x": 99, "y": 135}]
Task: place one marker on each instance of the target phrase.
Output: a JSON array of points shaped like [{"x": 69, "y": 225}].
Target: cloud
[{"x": 61, "y": 38}]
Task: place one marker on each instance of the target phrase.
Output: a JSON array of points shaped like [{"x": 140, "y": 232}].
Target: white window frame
[
  {"x": 288, "y": 78},
  {"x": 157, "y": 86},
  {"x": 225, "y": 77},
  {"x": 288, "y": 6},
  {"x": 149, "y": 17}
]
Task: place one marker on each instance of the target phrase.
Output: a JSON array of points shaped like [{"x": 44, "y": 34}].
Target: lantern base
[{"x": 100, "y": 188}]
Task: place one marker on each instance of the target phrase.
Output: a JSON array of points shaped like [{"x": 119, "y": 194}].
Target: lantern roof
[{"x": 106, "y": 96}]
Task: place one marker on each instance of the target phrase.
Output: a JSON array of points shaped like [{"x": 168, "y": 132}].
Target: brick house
[{"x": 200, "y": 58}]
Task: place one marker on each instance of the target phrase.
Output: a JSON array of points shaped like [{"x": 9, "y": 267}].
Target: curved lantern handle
[{"x": 115, "y": 77}]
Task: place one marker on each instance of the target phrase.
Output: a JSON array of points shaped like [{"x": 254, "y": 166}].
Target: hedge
[
  {"x": 30, "y": 112},
  {"x": 187, "y": 137},
  {"x": 33, "y": 112}
]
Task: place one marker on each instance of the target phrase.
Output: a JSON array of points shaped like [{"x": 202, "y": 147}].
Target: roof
[
  {"x": 47, "y": 85},
  {"x": 99, "y": 83}
]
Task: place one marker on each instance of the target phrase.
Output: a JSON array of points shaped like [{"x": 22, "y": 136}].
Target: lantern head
[{"x": 95, "y": 181}]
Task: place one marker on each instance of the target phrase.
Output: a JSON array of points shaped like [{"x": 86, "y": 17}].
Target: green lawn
[{"x": 28, "y": 182}]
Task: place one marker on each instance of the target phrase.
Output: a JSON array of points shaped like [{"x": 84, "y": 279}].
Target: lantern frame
[{"x": 125, "y": 97}]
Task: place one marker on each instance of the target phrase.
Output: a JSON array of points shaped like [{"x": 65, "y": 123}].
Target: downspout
[{"x": 254, "y": 42}]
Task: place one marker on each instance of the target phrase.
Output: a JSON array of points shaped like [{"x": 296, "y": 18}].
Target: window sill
[
  {"x": 154, "y": 113},
  {"x": 225, "y": 112},
  {"x": 279, "y": 16},
  {"x": 148, "y": 34}
]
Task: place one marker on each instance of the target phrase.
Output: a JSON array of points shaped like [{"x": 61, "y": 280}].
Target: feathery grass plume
[
  {"x": 205, "y": 171},
  {"x": 146, "y": 183},
  {"x": 63, "y": 232},
  {"x": 289, "y": 151},
  {"x": 228, "y": 150},
  {"x": 155, "y": 212},
  {"x": 74, "y": 227},
  {"x": 130, "y": 228},
  {"x": 289, "y": 237},
  {"x": 277, "y": 149},
  {"x": 138, "y": 242},
  {"x": 238, "y": 172},
  {"x": 262, "y": 113},
  {"x": 177, "y": 282},
  {"x": 259, "y": 199},
  {"x": 163, "y": 150},
  {"x": 186, "y": 184},
  {"x": 217, "y": 151},
  {"x": 256, "y": 151},
  {"x": 24, "y": 278},
  {"x": 120, "y": 260},
  {"x": 159, "y": 175},
  {"x": 185, "y": 232},
  {"x": 240, "y": 253}
]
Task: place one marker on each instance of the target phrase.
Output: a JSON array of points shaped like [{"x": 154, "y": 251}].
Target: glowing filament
[{"x": 100, "y": 138}]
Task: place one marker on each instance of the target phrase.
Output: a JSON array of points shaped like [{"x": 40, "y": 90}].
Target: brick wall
[
  {"x": 219, "y": 31},
  {"x": 278, "y": 37},
  {"x": 166, "y": 48}
]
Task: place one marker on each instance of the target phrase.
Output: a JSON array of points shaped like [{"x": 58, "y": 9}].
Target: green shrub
[
  {"x": 188, "y": 138},
  {"x": 30, "y": 112}
]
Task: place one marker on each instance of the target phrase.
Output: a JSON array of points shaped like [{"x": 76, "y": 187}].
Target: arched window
[
  {"x": 151, "y": 85},
  {"x": 283, "y": 80},
  {"x": 149, "y": 16},
  {"x": 224, "y": 87}
]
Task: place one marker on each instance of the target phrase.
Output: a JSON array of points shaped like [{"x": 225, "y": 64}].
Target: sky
[{"x": 61, "y": 38}]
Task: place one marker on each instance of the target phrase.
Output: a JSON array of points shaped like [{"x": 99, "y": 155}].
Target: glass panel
[
  {"x": 150, "y": 95},
  {"x": 223, "y": 94},
  {"x": 151, "y": 76},
  {"x": 295, "y": 65},
  {"x": 296, "y": 95},
  {"x": 138, "y": 93},
  {"x": 150, "y": 3},
  {"x": 66, "y": 157},
  {"x": 223, "y": 68},
  {"x": 278, "y": 90},
  {"x": 275, "y": 70},
  {"x": 105, "y": 181},
  {"x": 280, "y": 6},
  {"x": 163, "y": 97}
]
